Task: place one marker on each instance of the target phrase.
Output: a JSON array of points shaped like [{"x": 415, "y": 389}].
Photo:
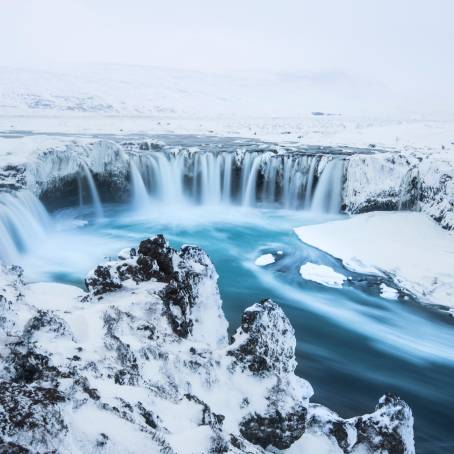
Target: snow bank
[
  {"x": 409, "y": 247},
  {"x": 322, "y": 274}
]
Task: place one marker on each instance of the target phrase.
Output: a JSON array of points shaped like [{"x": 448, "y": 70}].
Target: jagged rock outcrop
[
  {"x": 145, "y": 366},
  {"x": 265, "y": 342},
  {"x": 388, "y": 430}
]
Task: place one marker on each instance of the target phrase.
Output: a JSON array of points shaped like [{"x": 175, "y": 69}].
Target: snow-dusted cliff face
[
  {"x": 393, "y": 181},
  {"x": 317, "y": 178},
  {"x": 142, "y": 363}
]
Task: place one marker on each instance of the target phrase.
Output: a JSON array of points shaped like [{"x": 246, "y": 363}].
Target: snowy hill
[{"x": 147, "y": 90}]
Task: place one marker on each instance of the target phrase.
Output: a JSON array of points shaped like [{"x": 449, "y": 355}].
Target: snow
[
  {"x": 322, "y": 274},
  {"x": 265, "y": 259},
  {"x": 388, "y": 292},
  {"x": 409, "y": 247},
  {"x": 119, "y": 358},
  {"x": 312, "y": 444},
  {"x": 137, "y": 99}
]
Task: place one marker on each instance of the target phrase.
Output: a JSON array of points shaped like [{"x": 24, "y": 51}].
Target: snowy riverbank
[{"x": 408, "y": 247}]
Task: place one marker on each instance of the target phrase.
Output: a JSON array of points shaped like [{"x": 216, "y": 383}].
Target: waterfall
[
  {"x": 310, "y": 183},
  {"x": 269, "y": 187},
  {"x": 97, "y": 205},
  {"x": 80, "y": 191},
  {"x": 249, "y": 194},
  {"x": 217, "y": 177},
  {"x": 227, "y": 179},
  {"x": 328, "y": 192},
  {"x": 139, "y": 191},
  {"x": 23, "y": 223},
  {"x": 171, "y": 173}
]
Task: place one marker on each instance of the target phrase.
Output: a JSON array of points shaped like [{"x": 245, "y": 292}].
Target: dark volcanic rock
[
  {"x": 33, "y": 413},
  {"x": 389, "y": 429},
  {"x": 102, "y": 281},
  {"x": 275, "y": 429},
  {"x": 265, "y": 342},
  {"x": 183, "y": 271}
]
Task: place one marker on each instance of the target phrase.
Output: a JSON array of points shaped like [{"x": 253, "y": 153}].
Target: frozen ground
[
  {"x": 313, "y": 108},
  {"x": 409, "y": 247}
]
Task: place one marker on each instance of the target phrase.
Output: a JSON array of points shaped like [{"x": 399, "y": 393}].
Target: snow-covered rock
[
  {"x": 395, "y": 181},
  {"x": 387, "y": 430},
  {"x": 141, "y": 363}
]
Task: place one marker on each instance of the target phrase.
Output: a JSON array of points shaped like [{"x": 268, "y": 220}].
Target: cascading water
[
  {"x": 139, "y": 191},
  {"x": 97, "y": 205},
  {"x": 246, "y": 178},
  {"x": 23, "y": 223},
  {"x": 310, "y": 183},
  {"x": 227, "y": 183},
  {"x": 209, "y": 178},
  {"x": 249, "y": 194},
  {"x": 197, "y": 176},
  {"x": 328, "y": 192}
]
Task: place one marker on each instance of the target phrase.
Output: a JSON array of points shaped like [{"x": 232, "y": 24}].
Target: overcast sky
[{"x": 408, "y": 43}]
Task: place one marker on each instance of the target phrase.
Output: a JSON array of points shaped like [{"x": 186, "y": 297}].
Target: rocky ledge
[{"x": 141, "y": 362}]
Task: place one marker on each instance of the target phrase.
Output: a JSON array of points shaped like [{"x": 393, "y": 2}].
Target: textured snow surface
[
  {"x": 409, "y": 247},
  {"x": 322, "y": 274},
  {"x": 141, "y": 363}
]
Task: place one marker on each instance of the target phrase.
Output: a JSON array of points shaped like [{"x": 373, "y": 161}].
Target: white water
[
  {"x": 97, "y": 205},
  {"x": 310, "y": 184},
  {"x": 23, "y": 223},
  {"x": 249, "y": 196},
  {"x": 246, "y": 178},
  {"x": 328, "y": 192},
  {"x": 250, "y": 179},
  {"x": 140, "y": 197}
]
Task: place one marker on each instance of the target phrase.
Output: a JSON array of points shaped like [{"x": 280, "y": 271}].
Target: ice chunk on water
[
  {"x": 322, "y": 274},
  {"x": 265, "y": 259}
]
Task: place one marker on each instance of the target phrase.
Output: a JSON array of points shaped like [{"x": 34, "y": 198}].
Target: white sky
[{"x": 403, "y": 43}]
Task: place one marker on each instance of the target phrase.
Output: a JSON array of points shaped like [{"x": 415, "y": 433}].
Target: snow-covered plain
[{"x": 408, "y": 247}]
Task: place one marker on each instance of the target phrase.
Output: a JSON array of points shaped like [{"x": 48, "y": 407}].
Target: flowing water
[{"x": 352, "y": 345}]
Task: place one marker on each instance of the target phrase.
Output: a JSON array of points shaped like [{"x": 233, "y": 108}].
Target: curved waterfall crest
[
  {"x": 247, "y": 178},
  {"x": 176, "y": 177}
]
